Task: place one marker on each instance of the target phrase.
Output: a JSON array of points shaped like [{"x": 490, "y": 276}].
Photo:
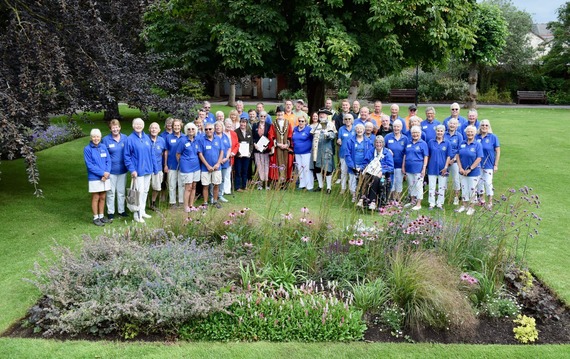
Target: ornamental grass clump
[
  {"x": 427, "y": 289},
  {"x": 131, "y": 287}
]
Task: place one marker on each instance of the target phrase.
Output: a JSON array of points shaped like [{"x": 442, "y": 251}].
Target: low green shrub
[
  {"x": 500, "y": 307},
  {"x": 393, "y": 317},
  {"x": 369, "y": 296},
  {"x": 305, "y": 314},
  {"x": 116, "y": 284},
  {"x": 494, "y": 96}
]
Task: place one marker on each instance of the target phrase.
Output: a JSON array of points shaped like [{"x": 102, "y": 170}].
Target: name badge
[
  {"x": 208, "y": 147},
  {"x": 390, "y": 141},
  {"x": 345, "y": 135},
  {"x": 112, "y": 145},
  {"x": 103, "y": 154},
  {"x": 172, "y": 141},
  {"x": 187, "y": 144}
]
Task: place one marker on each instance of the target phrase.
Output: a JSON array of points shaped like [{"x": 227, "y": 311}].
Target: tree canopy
[
  {"x": 315, "y": 41},
  {"x": 557, "y": 61},
  {"x": 70, "y": 55}
]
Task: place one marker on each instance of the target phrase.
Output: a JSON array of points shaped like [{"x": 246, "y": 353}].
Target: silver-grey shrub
[{"x": 117, "y": 285}]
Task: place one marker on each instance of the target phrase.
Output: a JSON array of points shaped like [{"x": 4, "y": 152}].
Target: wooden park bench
[
  {"x": 534, "y": 96},
  {"x": 407, "y": 95}
]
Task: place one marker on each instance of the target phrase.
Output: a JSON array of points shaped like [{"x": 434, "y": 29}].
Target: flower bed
[{"x": 296, "y": 277}]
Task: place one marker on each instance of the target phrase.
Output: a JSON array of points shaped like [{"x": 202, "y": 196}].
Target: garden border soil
[{"x": 553, "y": 326}]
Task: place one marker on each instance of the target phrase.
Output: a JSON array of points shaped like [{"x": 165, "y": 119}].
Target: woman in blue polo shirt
[
  {"x": 171, "y": 168},
  {"x": 98, "y": 163},
  {"x": 355, "y": 157},
  {"x": 187, "y": 155},
  {"x": 397, "y": 142},
  {"x": 439, "y": 153},
  {"x": 490, "y": 165},
  {"x": 115, "y": 143},
  {"x": 455, "y": 138},
  {"x": 414, "y": 167},
  {"x": 469, "y": 159},
  {"x": 345, "y": 132},
  {"x": 302, "y": 144}
]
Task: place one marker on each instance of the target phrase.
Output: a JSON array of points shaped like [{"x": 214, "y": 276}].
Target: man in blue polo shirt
[{"x": 210, "y": 153}]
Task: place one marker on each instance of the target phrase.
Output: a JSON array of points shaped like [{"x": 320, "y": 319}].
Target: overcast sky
[{"x": 542, "y": 11}]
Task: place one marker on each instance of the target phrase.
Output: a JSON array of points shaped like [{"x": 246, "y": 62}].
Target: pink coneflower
[
  {"x": 351, "y": 242},
  {"x": 223, "y": 237},
  {"x": 245, "y": 209},
  {"x": 358, "y": 242},
  {"x": 465, "y": 276},
  {"x": 287, "y": 216},
  {"x": 309, "y": 222},
  {"x": 305, "y": 210},
  {"x": 228, "y": 222},
  {"x": 232, "y": 214},
  {"x": 248, "y": 245},
  {"x": 305, "y": 239},
  {"x": 303, "y": 219}
]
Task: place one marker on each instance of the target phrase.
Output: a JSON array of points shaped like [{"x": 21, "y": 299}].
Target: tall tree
[
  {"x": 317, "y": 41},
  {"x": 70, "y": 55},
  {"x": 557, "y": 61},
  {"x": 490, "y": 35}
]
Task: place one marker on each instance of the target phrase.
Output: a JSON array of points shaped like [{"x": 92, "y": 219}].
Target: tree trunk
[
  {"x": 353, "y": 90},
  {"x": 112, "y": 111},
  {"x": 315, "y": 93},
  {"x": 472, "y": 81},
  {"x": 232, "y": 94},
  {"x": 217, "y": 89}
]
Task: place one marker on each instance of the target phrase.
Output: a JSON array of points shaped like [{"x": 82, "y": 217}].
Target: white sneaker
[
  {"x": 456, "y": 201},
  {"x": 222, "y": 199},
  {"x": 144, "y": 215},
  {"x": 408, "y": 205},
  {"x": 470, "y": 211},
  {"x": 360, "y": 203},
  {"x": 372, "y": 206},
  {"x": 337, "y": 181},
  {"x": 137, "y": 218},
  {"x": 417, "y": 207},
  {"x": 460, "y": 209}
]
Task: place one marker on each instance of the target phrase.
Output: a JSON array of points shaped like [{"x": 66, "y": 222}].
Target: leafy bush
[
  {"x": 493, "y": 96},
  {"x": 369, "y": 296},
  {"x": 288, "y": 94},
  {"x": 500, "y": 307},
  {"x": 526, "y": 330},
  {"x": 275, "y": 314},
  {"x": 393, "y": 317},
  {"x": 55, "y": 135},
  {"x": 116, "y": 284}
]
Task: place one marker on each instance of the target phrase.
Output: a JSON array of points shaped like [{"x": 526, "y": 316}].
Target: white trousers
[
  {"x": 415, "y": 185},
  {"x": 118, "y": 185},
  {"x": 437, "y": 187},
  {"x": 175, "y": 182},
  {"x": 303, "y": 163},
  {"x": 469, "y": 188},
  {"x": 485, "y": 185},
  {"x": 398, "y": 181},
  {"x": 454, "y": 173},
  {"x": 142, "y": 184},
  {"x": 343, "y": 174},
  {"x": 226, "y": 181}
]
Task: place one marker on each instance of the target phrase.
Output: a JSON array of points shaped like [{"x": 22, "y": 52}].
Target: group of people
[{"x": 374, "y": 152}]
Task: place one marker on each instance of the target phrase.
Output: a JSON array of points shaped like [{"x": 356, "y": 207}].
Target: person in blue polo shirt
[
  {"x": 491, "y": 156},
  {"x": 397, "y": 143},
  {"x": 210, "y": 153},
  {"x": 356, "y": 150},
  {"x": 344, "y": 134},
  {"x": 414, "y": 167},
  {"x": 187, "y": 155},
  {"x": 469, "y": 159},
  {"x": 175, "y": 185},
  {"x": 210, "y": 117},
  {"x": 455, "y": 138},
  {"x": 429, "y": 124},
  {"x": 302, "y": 141},
  {"x": 115, "y": 143},
  {"x": 98, "y": 163},
  {"x": 140, "y": 163},
  {"x": 159, "y": 158},
  {"x": 462, "y": 121},
  {"x": 439, "y": 153}
]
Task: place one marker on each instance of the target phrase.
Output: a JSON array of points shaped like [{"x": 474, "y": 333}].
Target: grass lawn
[{"x": 533, "y": 154}]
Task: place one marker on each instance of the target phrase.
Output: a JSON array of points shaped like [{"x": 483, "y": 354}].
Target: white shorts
[
  {"x": 156, "y": 181},
  {"x": 99, "y": 186},
  {"x": 190, "y": 177},
  {"x": 211, "y": 178}
]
